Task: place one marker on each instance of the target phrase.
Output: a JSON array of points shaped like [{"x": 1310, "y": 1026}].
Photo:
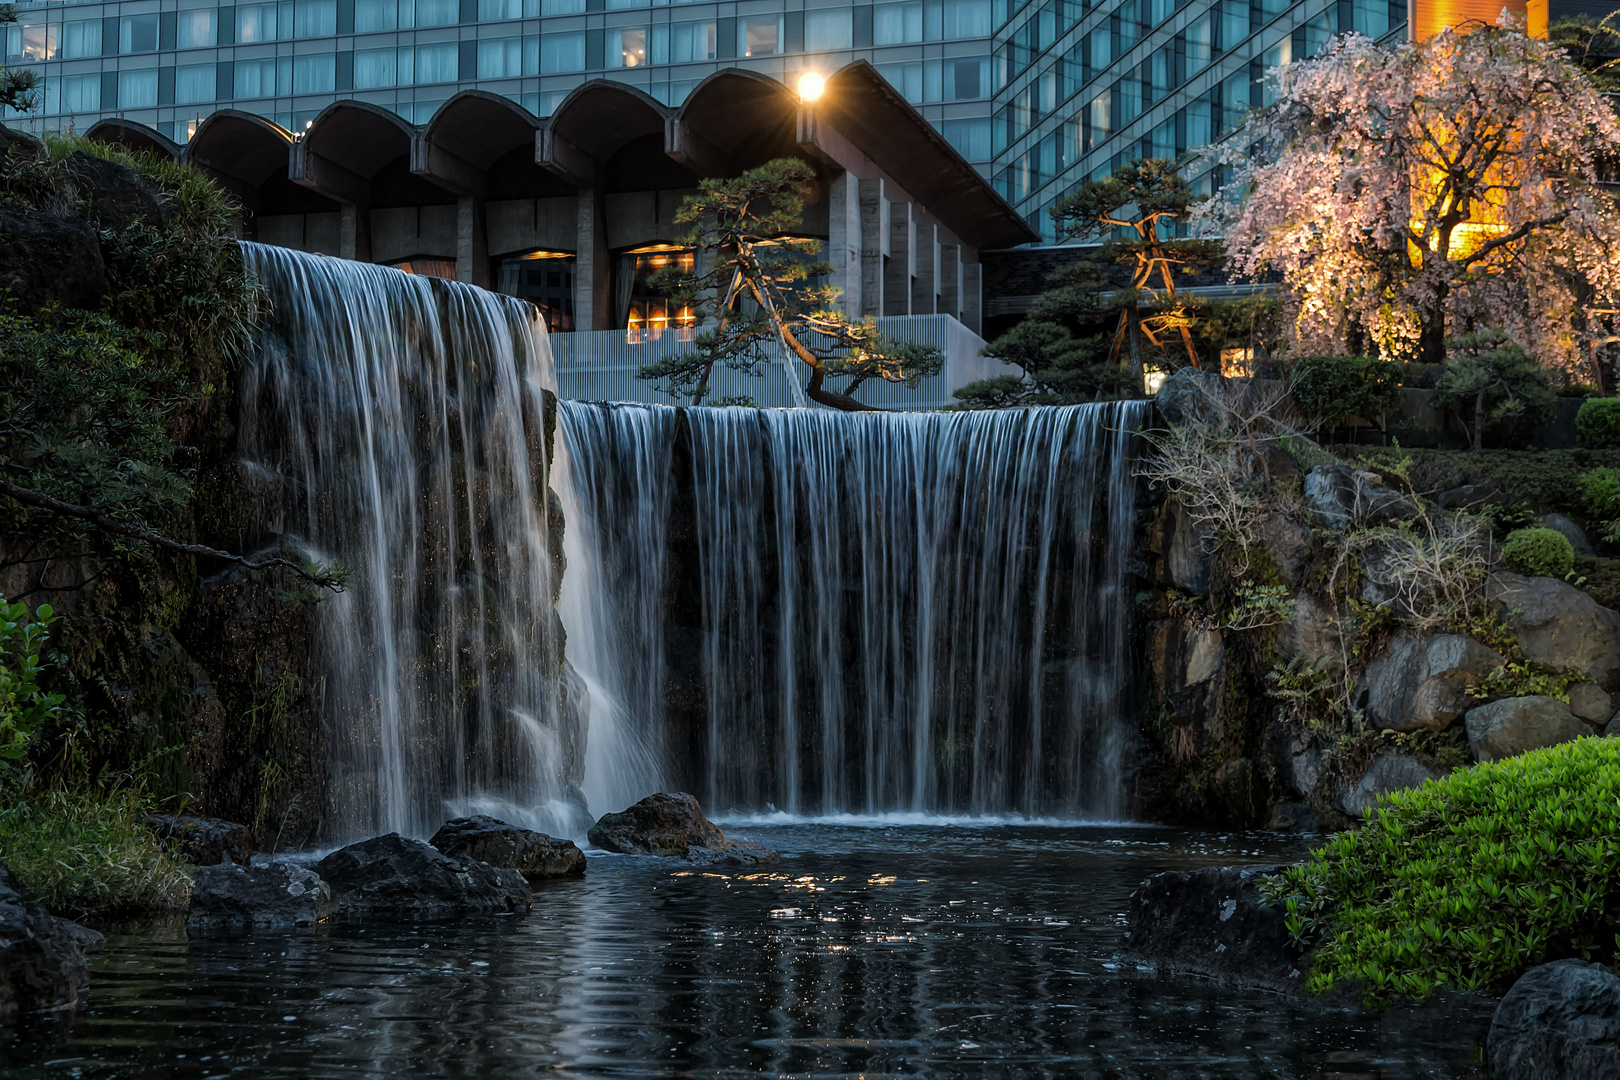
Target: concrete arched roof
[
  {"x": 600, "y": 117},
  {"x": 117, "y": 131},
  {"x": 480, "y": 128},
  {"x": 239, "y": 146},
  {"x": 735, "y": 105},
  {"x": 359, "y": 136}
]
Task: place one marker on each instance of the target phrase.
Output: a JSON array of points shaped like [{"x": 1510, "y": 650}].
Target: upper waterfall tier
[
  {"x": 821, "y": 613},
  {"x": 397, "y": 423}
]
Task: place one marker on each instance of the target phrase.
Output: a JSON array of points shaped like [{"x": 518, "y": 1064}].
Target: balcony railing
[{"x": 603, "y": 365}]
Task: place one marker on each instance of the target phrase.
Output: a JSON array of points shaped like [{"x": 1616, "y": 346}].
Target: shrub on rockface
[
  {"x": 1597, "y": 424},
  {"x": 1468, "y": 881},
  {"x": 1539, "y": 552}
]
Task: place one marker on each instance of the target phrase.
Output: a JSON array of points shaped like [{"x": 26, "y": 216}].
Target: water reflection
[{"x": 939, "y": 951}]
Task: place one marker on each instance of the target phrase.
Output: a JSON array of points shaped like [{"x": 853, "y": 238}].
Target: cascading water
[
  {"x": 824, "y": 613},
  {"x": 404, "y": 420}
]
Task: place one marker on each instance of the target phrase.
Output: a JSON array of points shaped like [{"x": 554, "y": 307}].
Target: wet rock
[
  {"x": 1183, "y": 547},
  {"x": 669, "y": 824},
  {"x": 1560, "y": 1020},
  {"x": 1612, "y": 728},
  {"x": 1213, "y": 921},
  {"x": 1388, "y": 773},
  {"x": 46, "y": 258},
  {"x": 1559, "y": 625},
  {"x": 1186, "y": 663},
  {"x": 203, "y": 841},
  {"x": 486, "y": 839},
  {"x": 1342, "y": 497},
  {"x": 231, "y": 897},
  {"x": 1511, "y": 726},
  {"x": 736, "y": 853},
  {"x": 1292, "y": 817},
  {"x": 1590, "y": 702},
  {"x": 392, "y": 876},
  {"x": 1558, "y": 523},
  {"x": 1313, "y": 633},
  {"x": 1422, "y": 685},
  {"x": 41, "y": 966},
  {"x": 1470, "y": 496},
  {"x": 1286, "y": 541},
  {"x": 1191, "y": 396},
  {"x": 116, "y": 195}
]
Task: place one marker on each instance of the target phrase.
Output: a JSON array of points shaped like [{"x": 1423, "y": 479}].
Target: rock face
[
  {"x": 231, "y": 897},
  {"x": 1559, "y": 625},
  {"x": 1190, "y": 396},
  {"x": 1558, "y": 523},
  {"x": 1591, "y": 703},
  {"x": 1513, "y": 725},
  {"x": 203, "y": 841},
  {"x": 1183, "y": 548},
  {"x": 1418, "y": 685},
  {"x": 1213, "y": 921},
  {"x": 1313, "y": 632},
  {"x": 49, "y": 257},
  {"x": 41, "y": 968},
  {"x": 670, "y": 824},
  {"x": 534, "y": 855},
  {"x": 1388, "y": 773},
  {"x": 1560, "y": 1020},
  {"x": 116, "y": 195},
  {"x": 392, "y": 876},
  {"x": 1343, "y": 497}
]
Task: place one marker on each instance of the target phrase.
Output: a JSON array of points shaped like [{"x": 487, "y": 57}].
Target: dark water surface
[{"x": 912, "y": 950}]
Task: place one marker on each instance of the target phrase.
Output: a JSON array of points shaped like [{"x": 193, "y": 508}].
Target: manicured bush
[
  {"x": 1467, "y": 881},
  {"x": 1597, "y": 425},
  {"x": 1334, "y": 388},
  {"x": 88, "y": 853},
  {"x": 1539, "y": 552}
]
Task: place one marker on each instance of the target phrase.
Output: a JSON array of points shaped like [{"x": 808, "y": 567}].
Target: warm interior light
[{"x": 811, "y": 84}]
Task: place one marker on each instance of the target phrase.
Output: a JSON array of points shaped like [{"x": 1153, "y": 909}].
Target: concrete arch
[
  {"x": 138, "y": 138},
  {"x": 480, "y": 128},
  {"x": 609, "y": 136},
  {"x": 743, "y": 115},
  {"x": 248, "y": 155}
]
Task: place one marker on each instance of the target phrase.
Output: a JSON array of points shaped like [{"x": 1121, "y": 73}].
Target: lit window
[{"x": 762, "y": 35}]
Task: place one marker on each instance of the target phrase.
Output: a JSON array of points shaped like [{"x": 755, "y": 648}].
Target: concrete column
[
  {"x": 925, "y": 283},
  {"x": 902, "y": 262},
  {"x": 874, "y": 245},
  {"x": 972, "y": 298},
  {"x": 593, "y": 266},
  {"x": 354, "y": 233},
  {"x": 472, "y": 242},
  {"x": 844, "y": 242},
  {"x": 950, "y": 280}
]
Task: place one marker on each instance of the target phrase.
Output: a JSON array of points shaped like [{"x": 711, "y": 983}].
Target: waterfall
[
  {"x": 404, "y": 420},
  {"x": 823, "y": 613}
]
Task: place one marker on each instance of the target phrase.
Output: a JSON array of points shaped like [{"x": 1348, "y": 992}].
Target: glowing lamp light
[{"x": 811, "y": 85}]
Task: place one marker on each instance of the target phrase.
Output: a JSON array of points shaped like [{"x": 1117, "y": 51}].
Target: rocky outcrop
[
  {"x": 670, "y": 824},
  {"x": 1286, "y": 541},
  {"x": 486, "y": 839},
  {"x": 1590, "y": 702},
  {"x": 1559, "y": 625},
  {"x": 1572, "y": 532},
  {"x": 1191, "y": 396},
  {"x": 1342, "y": 497},
  {"x": 1511, "y": 726},
  {"x": 1388, "y": 773},
  {"x": 1183, "y": 549},
  {"x": 1213, "y": 921},
  {"x": 1314, "y": 633},
  {"x": 395, "y": 877},
  {"x": 41, "y": 966},
  {"x": 115, "y": 196},
  {"x": 735, "y": 853},
  {"x": 203, "y": 841},
  {"x": 50, "y": 258},
  {"x": 231, "y": 897},
  {"x": 1422, "y": 685},
  {"x": 1560, "y": 1021}
]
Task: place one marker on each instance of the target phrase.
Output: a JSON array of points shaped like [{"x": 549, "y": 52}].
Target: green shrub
[
  {"x": 1494, "y": 388},
  {"x": 1539, "y": 552},
  {"x": 1334, "y": 388},
  {"x": 1600, "y": 497},
  {"x": 1467, "y": 881},
  {"x": 1597, "y": 425},
  {"x": 84, "y": 853},
  {"x": 23, "y": 705}
]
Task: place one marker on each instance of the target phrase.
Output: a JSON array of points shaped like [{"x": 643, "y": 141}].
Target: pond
[{"x": 874, "y": 949}]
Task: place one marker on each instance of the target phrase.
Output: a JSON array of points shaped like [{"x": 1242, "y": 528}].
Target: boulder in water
[
  {"x": 1214, "y": 921},
  {"x": 41, "y": 966},
  {"x": 231, "y": 897},
  {"x": 1559, "y": 1020},
  {"x": 735, "y": 853},
  {"x": 203, "y": 841},
  {"x": 672, "y": 824},
  {"x": 396, "y": 877},
  {"x": 486, "y": 839}
]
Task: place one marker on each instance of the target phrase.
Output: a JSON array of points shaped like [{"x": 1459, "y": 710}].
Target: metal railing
[{"x": 604, "y": 365}]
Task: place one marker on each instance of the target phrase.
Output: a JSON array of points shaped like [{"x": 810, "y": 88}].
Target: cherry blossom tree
[{"x": 1407, "y": 192}]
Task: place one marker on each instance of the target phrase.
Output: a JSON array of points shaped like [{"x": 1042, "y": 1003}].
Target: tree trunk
[
  {"x": 1479, "y": 421},
  {"x": 1432, "y": 329}
]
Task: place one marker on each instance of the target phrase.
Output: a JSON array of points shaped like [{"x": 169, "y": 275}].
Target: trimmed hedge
[
  {"x": 1539, "y": 552},
  {"x": 1468, "y": 881},
  {"x": 1597, "y": 425},
  {"x": 1334, "y": 388}
]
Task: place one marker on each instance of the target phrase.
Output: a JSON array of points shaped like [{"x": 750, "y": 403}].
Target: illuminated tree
[
  {"x": 1406, "y": 191},
  {"x": 755, "y": 286}
]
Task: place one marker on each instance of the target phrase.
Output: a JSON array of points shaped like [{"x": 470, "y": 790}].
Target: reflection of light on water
[{"x": 735, "y": 818}]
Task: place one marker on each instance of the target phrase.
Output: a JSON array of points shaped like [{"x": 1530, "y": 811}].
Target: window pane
[
  {"x": 762, "y": 35},
  {"x": 138, "y": 34},
  {"x": 193, "y": 83},
  {"x": 562, "y": 7},
  {"x": 315, "y": 18},
  {"x": 31, "y": 43},
  {"x": 137, "y": 89},
  {"x": 81, "y": 93},
  {"x": 691, "y": 42},
  {"x": 967, "y": 18},
  {"x": 1198, "y": 43},
  {"x": 1370, "y": 17},
  {"x": 256, "y": 78},
  {"x": 255, "y": 22},
  {"x": 906, "y": 78},
  {"x": 970, "y": 137},
  {"x": 827, "y": 30},
  {"x": 80, "y": 39},
  {"x": 436, "y": 63},
  {"x": 315, "y": 74},
  {"x": 896, "y": 24},
  {"x": 195, "y": 28},
  {"x": 969, "y": 78},
  {"x": 499, "y": 10},
  {"x": 500, "y": 58},
  {"x": 438, "y": 12},
  {"x": 627, "y": 47},
  {"x": 374, "y": 68},
  {"x": 372, "y": 15},
  {"x": 615, "y": 5},
  {"x": 562, "y": 52}
]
